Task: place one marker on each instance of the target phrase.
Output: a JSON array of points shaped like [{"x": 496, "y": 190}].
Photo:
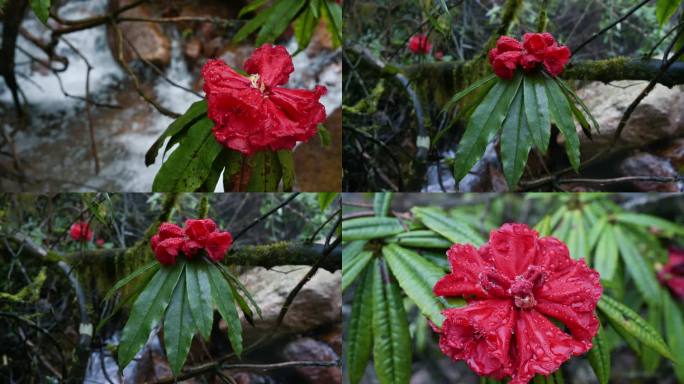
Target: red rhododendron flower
[
  {"x": 672, "y": 274},
  {"x": 100, "y": 242},
  {"x": 515, "y": 285},
  {"x": 254, "y": 113},
  {"x": 419, "y": 44},
  {"x": 80, "y": 231},
  {"x": 197, "y": 235},
  {"x": 536, "y": 48}
]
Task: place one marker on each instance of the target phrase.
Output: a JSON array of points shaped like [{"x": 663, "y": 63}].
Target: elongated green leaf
[
  {"x": 650, "y": 359},
  {"x": 381, "y": 203},
  {"x": 189, "y": 165},
  {"x": 265, "y": 172},
  {"x": 351, "y": 250},
  {"x": 129, "y": 296},
  {"x": 333, "y": 13},
  {"x": 674, "y": 332},
  {"x": 457, "y": 97},
  {"x": 119, "y": 284},
  {"x": 665, "y": 9},
  {"x": 251, "y": 7},
  {"x": 352, "y": 270},
  {"x": 578, "y": 237},
  {"x": 453, "y": 230},
  {"x": 223, "y": 298},
  {"x": 596, "y": 231},
  {"x": 178, "y": 327},
  {"x": 648, "y": 221},
  {"x": 252, "y": 25},
  {"x": 622, "y": 316},
  {"x": 391, "y": 341},
  {"x": 577, "y": 100},
  {"x": 325, "y": 199},
  {"x": 42, "y": 9},
  {"x": 484, "y": 124},
  {"x": 641, "y": 272},
  {"x": 304, "y": 28},
  {"x": 287, "y": 168},
  {"x": 416, "y": 276},
  {"x": 421, "y": 239},
  {"x": 276, "y": 23},
  {"x": 199, "y": 296},
  {"x": 516, "y": 141},
  {"x": 146, "y": 312},
  {"x": 359, "y": 340},
  {"x": 365, "y": 228},
  {"x": 537, "y": 111},
  {"x": 236, "y": 285},
  {"x": 606, "y": 254},
  {"x": 599, "y": 356},
  {"x": 562, "y": 116},
  {"x": 194, "y": 114}
]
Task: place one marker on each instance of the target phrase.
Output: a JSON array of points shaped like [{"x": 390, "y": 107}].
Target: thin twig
[{"x": 265, "y": 215}]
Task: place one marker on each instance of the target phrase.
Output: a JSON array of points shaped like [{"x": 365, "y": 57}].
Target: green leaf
[
  {"x": 266, "y": 172},
  {"x": 484, "y": 124},
  {"x": 359, "y": 339},
  {"x": 147, "y": 311},
  {"x": 606, "y": 254},
  {"x": 416, "y": 276},
  {"x": 304, "y": 28},
  {"x": 276, "y": 23},
  {"x": 579, "y": 116},
  {"x": 391, "y": 341},
  {"x": 537, "y": 111},
  {"x": 224, "y": 157},
  {"x": 237, "y": 285},
  {"x": 287, "y": 168},
  {"x": 599, "y": 356},
  {"x": 42, "y": 9},
  {"x": 223, "y": 298},
  {"x": 622, "y": 316},
  {"x": 129, "y": 296},
  {"x": 674, "y": 332},
  {"x": 333, "y": 13},
  {"x": 381, "y": 203},
  {"x": 194, "y": 114},
  {"x": 665, "y": 9},
  {"x": 453, "y": 230},
  {"x": 562, "y": 116},
  {"x": 324, "y": 136},
  {"x": 650, "y": 359},
  {"x": 254, "y": 24},
  {"x": 366, "y": 228},
  {"x": 124, "y": 281},
  {"x": 641, "y": 272},
  {"x": 352, "y": 249},
  {"x": 325, "y": 199},
  {"x": 199, "y": 296},
  {"x": 579, "y": 101},
  {"x": 421, "y": 239},
  {"x": 516, "y": 141},
  {"x": 178, "y": 328},
  {"x": 352, "y": 269},
  {"x": 457, "y": 97},
  {"x": 189, "y": 165},
  {"x": 251, "y": 7},
  {"x": 648, "y": 221},
  {"x": 578, "y": 244}
]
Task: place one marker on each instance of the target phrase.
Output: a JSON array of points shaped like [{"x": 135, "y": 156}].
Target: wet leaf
[
  {"x": 537, "y": 111},
  {"x": 199, "y": 296},
  {"x": 366, "y": 228},
  {"x": 421, "y": 239},
  {"x": 641, "y": 272},
  {"x": 516, "y": 141},
  {"x": 352, "y": 269},
  {"x": 359, "y": 340},
  {"x": 562, "y": 116},
  {"x": 194, "y": 114},
  {"x": 381, "y": 203},
  {"x": 179, "y": 328},
  {"x": 223, "y": 298},
  {"x": 453, "y": 230},
  {"x": 599, "y": 357},
  {"x": 674, "y": 332}
]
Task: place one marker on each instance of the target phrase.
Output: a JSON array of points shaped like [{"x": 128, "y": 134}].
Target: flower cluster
[
  {"x": 517, "y": 286},
  {"x": 672, "y": 274},
  {"x": 536, "y": 48},
  {"x": 254, "y": 113},
  {"x": 80, "y": 231},
  {"x": 197, "y": 235},
  {"x": 419, "y": 44}
]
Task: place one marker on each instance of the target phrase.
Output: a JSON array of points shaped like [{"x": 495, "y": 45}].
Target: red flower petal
[
  {"x": 199, "y": 230},
  {"x": 190, "y": 248},
  {"x": 672, "y": 273},
  {"x": 534, "y": 43},
  {"x": 168, "y": 230},
  {"x": 273, "y": 64},
  {"x": 219, "y": 77},
  {"x": 576, "y": 286},
  {"x": 80, "y": 231},
  {"x": 513, "y": 248},
  {"x": 154, "y": 241},
  {"x": 464, "y": 279},
  {"x": 541, "y": 347},
  {"x": 218, "y": 243},
  {"x": 555, "y": 59},
  {"x": 419, "y": 44},
  {"x": 506, "y": 43},
  {"x": 480, "y": 334},
  {"x": 167, "y": 250}
]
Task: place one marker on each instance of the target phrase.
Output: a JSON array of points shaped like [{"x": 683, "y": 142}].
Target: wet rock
[
  {"x": 148, "y": 38},
  {"x": 333, "y": 338},
  {"x": 319, "y": 168},
  {"x": 250, "y": 378},
  {"x": 675, "y": 153},
  {"x": 308, "y": 349},
  {"x": 646, "y": 164},
  {"x": 316, "y": 305},
  {"x": 657, "y": 117}
]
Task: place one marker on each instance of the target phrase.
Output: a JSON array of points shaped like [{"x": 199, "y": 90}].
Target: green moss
[{"x": 610, "y": 69}]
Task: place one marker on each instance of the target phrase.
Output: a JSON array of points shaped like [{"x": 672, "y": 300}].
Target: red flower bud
[
  {"x": 100, "y": 242},
  {"x": 537, "y": 48},
  {"x": 197, "y": 235},
  {"x": 80, "y": 231},
  {"x": 218, "y": 243},
  {"x": 254, "y": 113},
  {"x": 672, "y": 274},
  {"x": 419, "y": 44},
  {"x": 515, "y": 285}
]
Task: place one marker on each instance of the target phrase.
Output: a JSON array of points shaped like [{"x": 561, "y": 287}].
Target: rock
[
  {"x": 317, "y": 304},
  {"x": 319, "y": 168},
  {"x": 334, "y": 338},
  {"x": 658, "y": 116},
  {"x": 675, "y": 153},
  {"x": 149, "y": 39},
  {"x": 250, "y": 378},
  {"x": 308, "y": 349},
  {"x": 192, "y": 50},
  {"x": 646, "y": 164}
]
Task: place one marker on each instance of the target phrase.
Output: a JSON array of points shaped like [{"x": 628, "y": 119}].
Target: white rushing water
[{"x": 55, "y": 147}]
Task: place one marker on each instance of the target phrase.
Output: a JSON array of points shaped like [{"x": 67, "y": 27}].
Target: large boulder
[{"x": 659, "y": 116}]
